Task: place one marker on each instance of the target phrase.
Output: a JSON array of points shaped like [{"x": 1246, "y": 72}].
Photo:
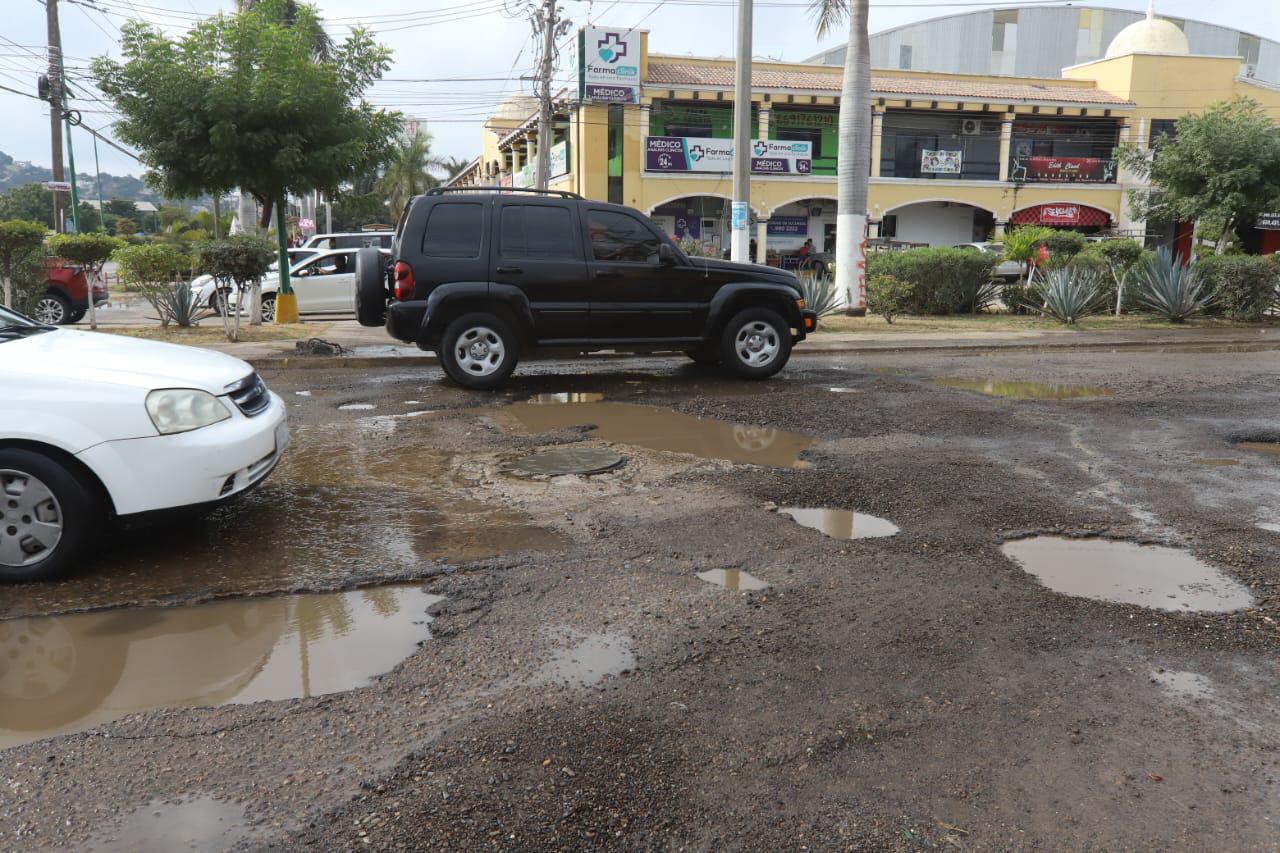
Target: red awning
[{"x": 1068, "y": 215}]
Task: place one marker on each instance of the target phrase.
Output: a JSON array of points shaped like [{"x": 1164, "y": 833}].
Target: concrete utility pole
[
  {"x": 55, "y": 107},
  {"x": 740, "y": 216},
  {"x": 546, "y": 18}
]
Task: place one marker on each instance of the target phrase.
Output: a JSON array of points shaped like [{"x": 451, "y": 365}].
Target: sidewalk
[{"x": 371, "y": 347}]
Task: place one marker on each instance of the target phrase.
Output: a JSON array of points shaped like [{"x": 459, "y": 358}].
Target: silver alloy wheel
[
  {"x": 50, "y": 311},
  {"x": 756, "y": 343},
  {"x": 479, "y": 351},
  {"x": 268, "y": 310},
  {"x": 30, "y": 519}
]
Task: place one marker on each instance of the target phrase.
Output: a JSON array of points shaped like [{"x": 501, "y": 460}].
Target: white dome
[{"x": 1151, "y": 35}]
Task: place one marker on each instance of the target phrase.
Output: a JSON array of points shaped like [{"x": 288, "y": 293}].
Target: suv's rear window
[
  {"x": 537, "y": 231},
  {"x": 619, "y": 237},
  {"x": 453, "y": 231}
]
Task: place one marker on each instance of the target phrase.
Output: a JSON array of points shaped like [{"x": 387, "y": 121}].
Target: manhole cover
[{"x": 566, "y": 460}]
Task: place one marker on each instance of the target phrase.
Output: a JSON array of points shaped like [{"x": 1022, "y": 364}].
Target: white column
[
  {"x": 877, "y": 137},
  {"x": 762, "y": 123},
  {"x": 762, "y": 241},
  {"x": 1006, "y": 143}
]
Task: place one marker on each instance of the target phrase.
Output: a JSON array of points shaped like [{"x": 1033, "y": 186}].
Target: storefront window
[
  {"x": 940, "y": 147},
  {"x": 1063, "y": 151},
  {"x": 820, "y": 127}
]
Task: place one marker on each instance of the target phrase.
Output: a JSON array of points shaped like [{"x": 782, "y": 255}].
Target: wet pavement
[{"x": 397, "y": 644}]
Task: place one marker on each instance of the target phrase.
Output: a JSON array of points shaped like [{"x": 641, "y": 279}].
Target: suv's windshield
[{"x": 14, "y": 325}]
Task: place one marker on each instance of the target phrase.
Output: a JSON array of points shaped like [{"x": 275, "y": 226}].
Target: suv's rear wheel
[
  {"x": 371, "y": 287},
  {"x": 53, "y": 309},
  {"x": 47, "y": 516},
  {"x": 756, "y": 343},
  {"x": 479, "y": 351}
]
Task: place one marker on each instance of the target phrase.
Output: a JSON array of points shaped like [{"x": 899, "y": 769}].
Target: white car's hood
[{"x": 119, "y": 360}]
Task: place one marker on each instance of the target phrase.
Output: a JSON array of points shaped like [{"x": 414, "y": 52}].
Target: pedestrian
[{"x": 806, "y": 249}]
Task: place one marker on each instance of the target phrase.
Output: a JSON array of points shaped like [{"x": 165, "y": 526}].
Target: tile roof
[{"x": 685, "y": 74}]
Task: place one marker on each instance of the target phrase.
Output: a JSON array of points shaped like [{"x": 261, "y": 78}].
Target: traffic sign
[{"x": 58, "y": 186}]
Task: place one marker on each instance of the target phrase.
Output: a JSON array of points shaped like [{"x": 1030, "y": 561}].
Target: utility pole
[
  {"x": 546, "y": 19},
  {"x": 740, "y": 216},
  {"x": 56, "y": 106}
]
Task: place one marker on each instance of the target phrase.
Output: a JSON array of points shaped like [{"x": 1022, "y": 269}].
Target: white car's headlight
[{"x": 184, "y": 409}]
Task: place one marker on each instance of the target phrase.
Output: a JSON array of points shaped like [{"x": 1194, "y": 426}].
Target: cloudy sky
[{"x": 484, "y": 39}]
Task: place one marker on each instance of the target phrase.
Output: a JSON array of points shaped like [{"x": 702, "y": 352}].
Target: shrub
[
  {"x": 1243, "y": 287},
  {"x": 1120, "y": 257},
  {"x": 238, "y": 262},
  {"x": 1170, "y": 288},
  {"x": 696, "y": 249},
  {"x": 21, "y": 263},
  {"x": 943, "y": 280},
  {"x": 1014, "y": 296},
  {"x": 1064, "y": 244},
  {"x": 889, "y": 296},
  {"x": 150, "y": 268},
  {"x": 1068, "y": 294},
  {"x": 1022, "y": 244}
]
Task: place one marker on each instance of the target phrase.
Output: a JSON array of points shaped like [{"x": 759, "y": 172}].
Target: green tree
[
  {"x": 1119, "y": 258},
  {"x": 90, "y": 219},
  {"x": 1023, "y": 245},
  {"x": 20, "y": 242},
  {"x": 30, "y": 202},
  {"x": 124, "y": 227},
  {"x": 408, "y": 171},
  {"x": 242, "y": 100},
  {"x": 236, "y": 262},
  {"x": 150, "y": 269},
  {"x": 452, "y": 166},
  {"x": 91, "y": 251},
  {"x": 1222, "y": 166},
  {"x": 122, "y": 207}
]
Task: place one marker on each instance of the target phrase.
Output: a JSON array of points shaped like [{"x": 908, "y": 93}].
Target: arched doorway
[{"x": 937, "y": 223}]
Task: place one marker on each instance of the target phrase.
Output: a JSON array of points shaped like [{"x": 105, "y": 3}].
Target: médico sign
[{"x": 609, "y": 65}]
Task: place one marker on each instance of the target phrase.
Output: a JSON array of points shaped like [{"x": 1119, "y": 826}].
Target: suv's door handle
[
  {"x": 508, "y": 270},
  {"x": 608, "y": 274}
]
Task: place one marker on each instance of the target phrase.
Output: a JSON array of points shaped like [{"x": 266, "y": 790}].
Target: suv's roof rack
[{"x": 557, "y": 193}]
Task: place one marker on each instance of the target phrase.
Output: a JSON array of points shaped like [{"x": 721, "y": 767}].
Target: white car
[
  {"x": 206, "y": 289},
  {"x": 350, "y": 240},
  {"x": 95, "y": 427},
  {"x": 325, "y": 283},
  {"x": 1008, "y": 270}
]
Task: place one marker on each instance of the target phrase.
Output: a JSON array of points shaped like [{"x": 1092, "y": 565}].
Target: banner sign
[
  {"x": 58, "y": 186},
  {"x": 788, "y": 226},
  {"x": 701, "y": 154},
  {"x": 559, "y": 158},
  {"x": 940, "y": 162},
  {"x": 1268, "y": 222},
  {"x": 524, "y": 177},
  {"x": 1060, "y": 214},
  {"x": 608, "y": 65},
  {"x": 739, "y": 215},
  {"x": 1064, "y": 170}
]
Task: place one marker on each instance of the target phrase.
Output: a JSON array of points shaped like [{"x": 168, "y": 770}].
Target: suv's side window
[
  {"x": 621, "y": 237},
  {"x": 453, "y": 231},
  {"x": 537, "y": 232}
]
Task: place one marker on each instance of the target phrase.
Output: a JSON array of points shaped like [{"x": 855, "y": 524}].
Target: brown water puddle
[
  {"x": 560, "y": 397},
  {"x": 1148, "y": 575},
  {"x": 1017, "y": 390},
  {"x": 666, "y": 430},
  {"x": 1271, "y": 448},
  {"x": 735, "y": 580},
  {"x": 1215, "y": 462},
  {"x": 591, "y": 658},
  {"x": 62, "y": 674},
  {"x": 194, "y": 823},
  {"x": 841, "y": 523}
]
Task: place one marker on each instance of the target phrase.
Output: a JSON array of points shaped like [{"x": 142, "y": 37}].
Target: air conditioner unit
[{"x": 970, "y": 127}]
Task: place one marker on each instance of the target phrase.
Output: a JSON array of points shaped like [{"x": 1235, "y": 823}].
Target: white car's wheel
[
  {"x": 269, "y": 308},
  {"x": 47, "y": 515}
]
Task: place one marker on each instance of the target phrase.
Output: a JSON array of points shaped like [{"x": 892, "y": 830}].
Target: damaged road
[{"x": 398, "y": 643}]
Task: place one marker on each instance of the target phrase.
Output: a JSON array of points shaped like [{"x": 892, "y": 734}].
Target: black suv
[{"x": 478, "y": 274}]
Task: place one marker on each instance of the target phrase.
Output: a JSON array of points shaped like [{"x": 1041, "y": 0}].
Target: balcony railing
[{"x": 1062, "y": 170}]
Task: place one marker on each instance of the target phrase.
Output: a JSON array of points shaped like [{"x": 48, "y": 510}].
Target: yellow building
[{"x": 956, "y": 158}]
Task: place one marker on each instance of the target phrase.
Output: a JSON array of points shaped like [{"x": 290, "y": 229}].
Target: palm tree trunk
[{"x": 854, "y": 164}]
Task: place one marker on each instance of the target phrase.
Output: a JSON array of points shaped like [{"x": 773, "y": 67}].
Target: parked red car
[{"x": 66, "y": 295}]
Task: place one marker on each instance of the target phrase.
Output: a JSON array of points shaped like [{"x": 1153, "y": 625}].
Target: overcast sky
[{"x": 480, "y": 42}]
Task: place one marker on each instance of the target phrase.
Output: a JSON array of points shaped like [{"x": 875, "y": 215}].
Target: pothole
[
  {"x": 841, "y": 523},
  {"x": 592, "y": 658},
  {"x": 1270, "y": 526},
  {"x": 560, "y": 397},
  {"x": 733, "y": 579},
  {"x": 566, "y": 460},
  {"x": 356, "y": 407},
  {"x": 1215, "y": 462},
  {"x": 317, "y": 392},
  {"x": 1271, "y": 448},
  {"x": 62, "y": 674},
  {"x": 1017, "y": 390},
  {"x": 1148, "y": 575},
  {"x": 1183, "y": 683},
  {"x": 841, "y": 390},
  {"x": 665, "y": 430},
  {"x": 200, "y": 823}
]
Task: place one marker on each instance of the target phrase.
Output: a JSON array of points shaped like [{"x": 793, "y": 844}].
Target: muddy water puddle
[
  {"x": 1148, "y": 575},
  {"x": 1183, "y": 683},
  {"x": 1018, "y": 390},
  {"x": 1215, "y": 461},
  {"x": 67, "y": 673},
  {"x": 841, "y": 523},
  {"x": 197, "y": 823},
  {"x": 588, "y": 659},
  {"x": 664, "y": 430},
  {"x": 1271, "y": 448},
  {"x": 734, "y": 580}
]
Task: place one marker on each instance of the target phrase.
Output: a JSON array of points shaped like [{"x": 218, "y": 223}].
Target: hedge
[
  {"x": 942, "y": 280},
  {"x": 1243, "y": 286}
]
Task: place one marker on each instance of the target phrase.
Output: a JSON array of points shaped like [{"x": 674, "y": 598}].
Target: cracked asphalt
[{"x": 582, "y": 688}]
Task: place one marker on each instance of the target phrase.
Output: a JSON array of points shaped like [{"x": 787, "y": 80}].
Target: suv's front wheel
[
  {"x": 756, "y": 343},
  {"x": 479, "y": 351}
]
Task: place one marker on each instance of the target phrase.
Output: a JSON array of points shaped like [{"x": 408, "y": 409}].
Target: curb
[{"x": 834, "y": 348}]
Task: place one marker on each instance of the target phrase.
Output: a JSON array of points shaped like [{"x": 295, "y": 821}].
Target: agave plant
[
  {"x": 819, "y": 292},
  {"x": 1068, "y": 294},
  {"x": 1170, "y": 288}
]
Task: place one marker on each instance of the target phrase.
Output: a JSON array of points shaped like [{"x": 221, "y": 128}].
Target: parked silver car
[{"x": 1008, "y": 270}]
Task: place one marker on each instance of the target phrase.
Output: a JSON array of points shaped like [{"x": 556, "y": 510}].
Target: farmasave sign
[{"x": 609, "y": 65}]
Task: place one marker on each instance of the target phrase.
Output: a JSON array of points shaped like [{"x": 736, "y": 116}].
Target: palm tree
[
  {"x": 408, "y": 172},
  {"x": 452, "y": 166},
  {"x": 853, "y": 164}
]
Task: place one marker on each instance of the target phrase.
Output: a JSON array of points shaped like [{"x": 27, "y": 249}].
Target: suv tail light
[{"x": 403, "y": 288}]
